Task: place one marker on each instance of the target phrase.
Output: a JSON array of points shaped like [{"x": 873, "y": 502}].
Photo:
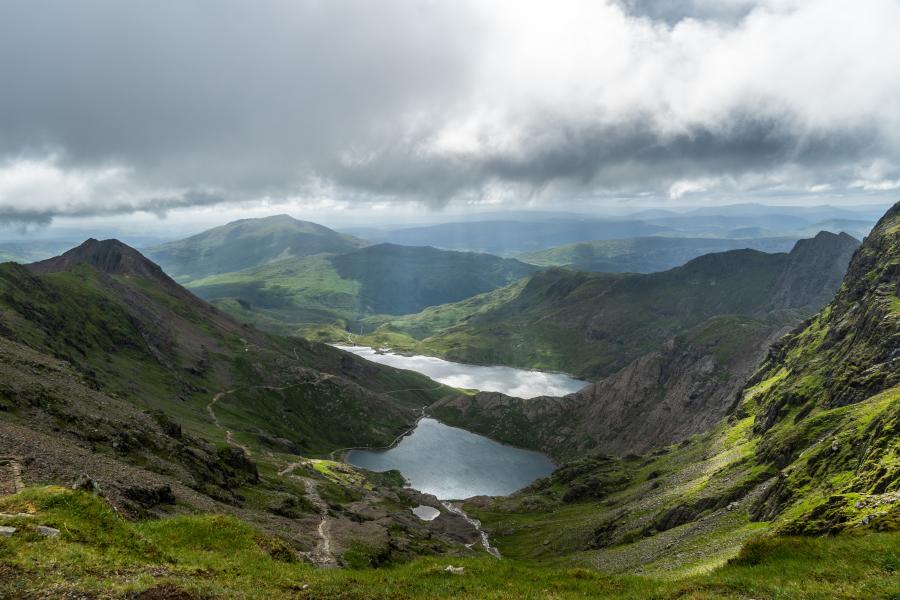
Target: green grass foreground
[{"x": 101, "y": 555}]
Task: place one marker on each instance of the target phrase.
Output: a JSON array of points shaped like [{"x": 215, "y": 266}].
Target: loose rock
[
  {"x": 7, "y": 531},
  {"x": 47, "y": 531},
  {"x": 455, "y": 570}
]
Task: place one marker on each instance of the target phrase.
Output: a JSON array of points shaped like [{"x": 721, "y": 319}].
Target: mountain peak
[{"x": 108, "y": 256}]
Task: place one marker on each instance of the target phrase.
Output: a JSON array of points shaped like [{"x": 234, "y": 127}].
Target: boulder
[{"x": 49, "y": 532}]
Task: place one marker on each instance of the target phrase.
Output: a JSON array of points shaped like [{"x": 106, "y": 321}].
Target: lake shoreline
[{"x": 344, "y": 451}]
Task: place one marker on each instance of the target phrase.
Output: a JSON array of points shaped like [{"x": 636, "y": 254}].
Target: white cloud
[{"x": 429, "y": 102}]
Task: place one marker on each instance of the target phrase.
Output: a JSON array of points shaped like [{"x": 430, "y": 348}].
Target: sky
[{"x": 168, "y": 114}]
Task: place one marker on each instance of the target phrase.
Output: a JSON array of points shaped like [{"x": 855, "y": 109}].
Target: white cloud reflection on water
[{"x": 521, "y": 383}]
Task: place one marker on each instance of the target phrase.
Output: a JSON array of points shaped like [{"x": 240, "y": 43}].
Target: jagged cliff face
[
  {"x": 827, "y": 401},
  {"x": 812, "y": 447}
]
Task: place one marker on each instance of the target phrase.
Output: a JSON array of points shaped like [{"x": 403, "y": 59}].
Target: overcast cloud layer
[{"x": 114, "y": 107}]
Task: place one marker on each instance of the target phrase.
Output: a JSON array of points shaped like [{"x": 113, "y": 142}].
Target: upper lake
[{"x": 521, "y": 383}]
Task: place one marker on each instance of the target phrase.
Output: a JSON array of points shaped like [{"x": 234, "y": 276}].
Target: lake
[
  {"x": 453, "y": 463},
  {"x": 521, "y": 383}
]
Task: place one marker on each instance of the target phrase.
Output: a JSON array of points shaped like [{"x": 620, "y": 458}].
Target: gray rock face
[{"x": 7, "y": 531}]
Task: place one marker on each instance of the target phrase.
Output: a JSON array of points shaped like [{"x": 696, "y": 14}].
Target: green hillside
[
  {"x": 247, "y": 243},
  {"x": 344, "y": 288}
]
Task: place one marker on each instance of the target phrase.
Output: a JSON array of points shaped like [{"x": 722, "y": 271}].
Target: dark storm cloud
[
  {"x": 621, "y": 156},
  {"x": 236, "y": 91},
  {"x": 112, "y": 107},
  {"x": 673, "y": 11}
]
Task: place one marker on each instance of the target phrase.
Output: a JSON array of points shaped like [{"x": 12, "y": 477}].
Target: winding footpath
[
  {"x": 229, "y": 437},
  {"x": 322, "y": 555}
]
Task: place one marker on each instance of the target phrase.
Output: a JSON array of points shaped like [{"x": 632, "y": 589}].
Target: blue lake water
[{"x": 453, "y": 463}]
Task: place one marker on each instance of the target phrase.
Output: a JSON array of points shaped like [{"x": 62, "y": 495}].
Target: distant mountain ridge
[
  {"x": 592, "y": 324},
  {"x": 690, "y": 381},
  {"x": 516, "y": 234},
  {"x": 645, "y": 254},
  {"x": 248, "y": 243}
]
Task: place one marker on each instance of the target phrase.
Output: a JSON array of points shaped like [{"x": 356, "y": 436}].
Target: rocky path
[
  {"x": 485, "y": 540},
  {"x": 322, "y": 555}
]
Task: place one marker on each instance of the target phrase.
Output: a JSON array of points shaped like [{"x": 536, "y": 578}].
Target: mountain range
[
  {"x": 592, "y": 324},
  {"x": 644, "y": 254},
  {"x": 810, "y": 447},
  {"x": 514, "y": 234},
  {"x": 174, "y": 452}
]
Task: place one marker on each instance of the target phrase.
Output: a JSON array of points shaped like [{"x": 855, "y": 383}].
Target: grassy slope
[
  {"x": 555, "y": 321},
  {"x": 593, "y": 324},
  {"x": 345, "y": 288},
  {"x": 133, "y": 339},
  {"x": 101, "y": 555},
  {"x": 570, "y": 427}
]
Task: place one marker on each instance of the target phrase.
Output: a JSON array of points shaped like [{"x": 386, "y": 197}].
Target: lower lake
[{"x": 453, "y": 463}]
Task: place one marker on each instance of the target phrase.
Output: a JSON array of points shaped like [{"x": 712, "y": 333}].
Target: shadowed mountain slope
[{"x": 593, "y": 324}]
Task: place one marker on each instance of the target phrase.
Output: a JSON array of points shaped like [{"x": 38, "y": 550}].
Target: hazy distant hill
[
  {"x": 384, "y": 278},
  {"x": 248, "y": 243},
  {"x": 510, "y": 236},
  {"x": 519, "y": 233},
  {"x": 644, "y": 254},
  {"x": 30, "y": 251}
]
